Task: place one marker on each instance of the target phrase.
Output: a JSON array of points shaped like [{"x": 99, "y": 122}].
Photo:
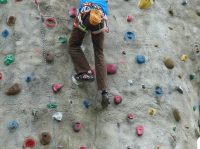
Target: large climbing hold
[
  {"x": 176, "y": 114},
  {"x": 192, "y": 76},
  {"x": 62, "y": 39},
  {"x": 13, "y": 125},
  {"x": 45, "y": 138},
  {"x": 3, "y": 1},
  {"x": 14, "y": 89},
  {"x": 140, "y": 130},
  {"x": 5, "y": 33},
  {"x": 29, "y": 143},
  {"x": 144, "y": 4},
  {"x": 169, "y": 63},
  {"x": 117, "y": 99},
  {"x": 8, "y": 59},
  {"x": 72, "y": 12},
  {"x": 10, "y": 20},
  {"x": 111, "y": 69},
  {"x": 140, "y": 59},
  {"x": 77, "y": 126}
]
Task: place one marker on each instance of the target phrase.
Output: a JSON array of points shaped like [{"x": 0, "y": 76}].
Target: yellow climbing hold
[
  {"x": 184, "y": 58},
  {"x": 151, "y": 111},
  {"x": 144, "y": 4}
]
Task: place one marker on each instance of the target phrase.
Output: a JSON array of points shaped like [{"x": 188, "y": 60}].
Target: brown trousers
[{"x": 79, "y": 60}]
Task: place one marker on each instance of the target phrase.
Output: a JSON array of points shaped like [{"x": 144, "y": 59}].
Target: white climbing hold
[{"x": 57, "y": 116}]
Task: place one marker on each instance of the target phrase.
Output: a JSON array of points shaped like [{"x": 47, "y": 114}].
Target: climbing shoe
[
  {"x": 81, "y": 77},
  {"x": 105, "y": 100}
]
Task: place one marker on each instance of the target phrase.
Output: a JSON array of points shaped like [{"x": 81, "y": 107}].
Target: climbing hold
[
  {"x": 198, "y": 122},
  {"x": 130, "y": 116},
  {"x": 124, "y": 52},
  {"x": 198, "y": 12},
  {"x": 158, "y": 91},
  {"x": 111, "y": 69},
  {"x": 5, "y": 33},
  {"x": 171, "y": 27},
  {"x": 56, "y": 87},
  {"x": 3, "y": 1},
  {"x": 157, "y": 147},
  {"x": 45, "y": 138},
  {"x": 86, "y": 103},
  {"x": 82, "y": 147},
  {"x": 199, "y": 105},
  {"x": 180, "y": 76},
  {"x": 77, "y": 126},
  {"x": 50, "y": 22},
  {"x": 129, "y": 82},
  {"x": 121, "y": 63},
  {"x": 10, "y": 20},
  {"x": 192, "y": 76},
  {"x": 171, "y": 10},
  {"x": 28, "y": 79},
  {"x": 49, "y": 56},
  {"x": 129, "y": 18},
  {"x": 57, "y": 116},
  {"x": 179, "y": 88},
  {"x": 8, "y": 59},
  {"x": 63, "y": 39},
  {"x": 0, "y": 76},
  {"x": 143, "y": 86},
  {"x": 17, "y": 0},
  {"x": 144, "y": 4},
  {"x": 156, "y": 45},
  {"x": 72, "y": 12},
  {"x": 52, "y": 105},
  {"x": 151, "y": 111},
  {"x": 186, "y": 126},
  {"x": 197, "y": 131},
  {"x": 196, "y": 49},
  {"x": 117, "y": 99},
  {"x": 194, "y": 107},
  {"x": 13, "y": 125},
  {"x": 36, "y": 50},
  {"x": 184, "y": 58},
  {"x": 129, "y": 35},
  {"x": 14, "y": 89},
  {"x": 60, "y": 147},
  {"x": 174, "y": 128},
  {"x": 169, "y": 63},
  {"x": 177, "y": 114},
  {"x": 140, "y": 59},
  {"x": 29, "y": 143},
  {"x": 140, "y": 130},
  {"x": 185, "y": 2}
]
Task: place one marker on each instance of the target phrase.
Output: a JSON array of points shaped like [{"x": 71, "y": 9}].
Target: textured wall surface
[{"x": 108, "y": 128}]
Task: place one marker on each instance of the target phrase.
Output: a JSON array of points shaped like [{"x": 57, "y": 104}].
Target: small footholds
[
  {"x": 13, "y": 125},
  {"x": 28, "y": 79},
  {"x": 49, "y": 56},
  {"x": 169, "y": 63},
  {"x": 111, "y": 69},
  {"x": 194, "y": 107},
  {"x": 29, "y": 143},
  {"x": 151, "y": 111},
  {"x": 8, "y": 59},
  {"x": 196, "y": 49},
  {"x": 124, "y": 52},
  {"x": 72, "y": 12},
  {"x": 45, "y": 138},
  {"x": 52, "y": 105},
  {"x": 157, "y": 148},
  {"x": 130, "y": 116},
  {"x": 171, "y": 10},
  {"x": 34, "y": 112},
  {"x": 56, "y": 87},
  {"x": 140, "y": 59},
  {"x": 144, "y": 4},
  {"x": 176, "y": 114},
  {"x": 140, "y": 130},
  {"x": 180, "y": 76},
  {"x": 179, "y": 88},
  {"x": 143, "y": 86},
  {"x": 198, "y": 12},
  {"x": 10, "y": 20},
  {"x": 117, "y": 99},
  {"x": 57, "y": 116},
  {"x": 129, "y": 35},
  {"x": 5, "y": 33},
  {"x": 174, "y": 128},
  {"x": 3, "y": 1},
  {"x": 156, "y": 45},
  {"x": 171, "y": 27},
  {"x": 63, "y": 39},
  {"x": 186, "y": 126},
  {"x": 158, "y": 91},
  {"x": 129, "y": 18},
  {"x": 184, "y": 58},
  {"x": 17, "y": 0},
  {"x": 14, "y": 89},
  {"x": 86, "y": 103},
  {"x": 192, "y": 76},
  {"x": 77, "y": 126},
  {"x": 128, "y": 147}
]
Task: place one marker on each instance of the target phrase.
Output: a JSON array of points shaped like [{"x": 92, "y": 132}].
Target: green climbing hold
[
  {"x": 63, "y": 39},
  {"x": 195, "y": 107},
  {"x": 3, "y": 1},
  {"x": 174, "y": 128},
  {"x": 8, "y": 59},
  {"x": 52, "y": 105},
  {"x": 192, "y": 76}
]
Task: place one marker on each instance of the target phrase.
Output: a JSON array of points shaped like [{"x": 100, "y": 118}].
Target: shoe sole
[{"x": 105, "y": 102}]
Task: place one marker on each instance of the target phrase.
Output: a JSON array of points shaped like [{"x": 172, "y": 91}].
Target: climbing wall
[{"x": 101, "y": 128}]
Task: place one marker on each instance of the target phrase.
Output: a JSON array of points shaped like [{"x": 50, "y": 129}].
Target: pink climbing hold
[
  {"x": 140, "y": 130},
  {"x": 56, "y": 87},
  {"x": 111, "y": 69},
  {"x": 0, "y": 76},
  {"x": 82, "y": 147},
  {"x": 36, "y": 50},
  {"x": 129, "y": 18},
  {"x": 130, "y": 116},
  {"x": 121, "y": 63},
  {"x": 117, "y": 99},
  {"x": 72, "y": 12},
  {"x": 77, "y": 127}
]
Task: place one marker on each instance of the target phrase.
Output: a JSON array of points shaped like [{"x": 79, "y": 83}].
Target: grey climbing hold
[
  {"x": 179, "y": 88},
  {"x": 129, "y": 82},
  {"x": 185, "y": 2}
]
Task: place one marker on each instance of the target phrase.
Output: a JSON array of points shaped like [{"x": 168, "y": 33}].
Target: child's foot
[{"x": 105, "y": 100}]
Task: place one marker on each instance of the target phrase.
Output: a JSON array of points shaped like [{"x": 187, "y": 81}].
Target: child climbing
[{"x": 92, "y": 16}]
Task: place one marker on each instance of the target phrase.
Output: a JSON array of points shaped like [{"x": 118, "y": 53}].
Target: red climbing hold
[
  {"x": 129, "y": 18},
  {"x": 130, "y": 116},
  {"x": 56, "y": 87},
  {"x": 17, "y": 0},
  {"x": 47, "y": 22},
  {"x": 111, "y": 69},
  {"x": 29, "y": 143},
  {"x": 117, "y": 99},
  {"x": 36, "y": 50},
  {"x": 72, "y": 12},
  {"x": 140, "y": 130},
  {"x": 82, "y": 147},
  {"x": 0, "y": 76},
  {"x": 77, "y": 127}
]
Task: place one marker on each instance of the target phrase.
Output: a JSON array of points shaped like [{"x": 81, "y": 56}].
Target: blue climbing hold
[
  {"x": 5, "y": 33},
  {"x": 140, "y": 59},
  {"x": 129, "y": 35},
  {"x": 158, "y": 92},
  {"x": 13, "y": 125},
  {"x": 86, "y": 103},
  {"x": 28, "y": 79}
]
